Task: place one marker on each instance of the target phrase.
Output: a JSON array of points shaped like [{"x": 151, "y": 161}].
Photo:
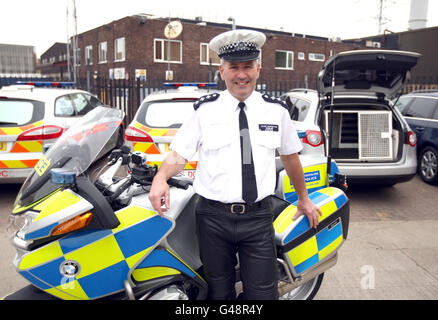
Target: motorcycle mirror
[
  {"x": 63, "y": 176},
  {"x": 125, "y": 149}
]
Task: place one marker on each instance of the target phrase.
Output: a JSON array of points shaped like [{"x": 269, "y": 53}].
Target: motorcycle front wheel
[{"x": 306, "y": 291}]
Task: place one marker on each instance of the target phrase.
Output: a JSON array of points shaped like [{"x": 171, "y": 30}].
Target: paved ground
[
  {"x": 391, "y": 251},
  {"x": 392, "y": 246}
]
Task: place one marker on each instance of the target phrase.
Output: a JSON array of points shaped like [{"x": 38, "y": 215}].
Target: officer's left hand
[
  {"x": 159, "y": 195},
  {"x": 307, "y": 207}
]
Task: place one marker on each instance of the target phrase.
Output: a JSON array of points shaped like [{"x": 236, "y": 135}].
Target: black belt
[{"x": 238, "y": 208}]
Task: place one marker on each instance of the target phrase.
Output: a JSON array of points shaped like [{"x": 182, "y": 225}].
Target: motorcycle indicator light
[{"x": 76, "y": 223}]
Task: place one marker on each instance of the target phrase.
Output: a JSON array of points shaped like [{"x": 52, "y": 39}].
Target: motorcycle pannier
[{"x": 304, "y": 248}]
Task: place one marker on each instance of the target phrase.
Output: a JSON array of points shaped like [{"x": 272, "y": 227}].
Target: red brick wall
[{"x": 139, "y": 46}]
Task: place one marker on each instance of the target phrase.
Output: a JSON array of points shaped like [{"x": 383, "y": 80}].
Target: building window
[
  {"x": 88, "y": 55},
  {"x": 206, "y": 54},
  {"x": 161, "y": 51},
  {"x": 284, "y": 60},
  {"x": 102, "y": 52},
  {"x": 316, "y": 57},
  {"x": 301, "y": 56},
  {"x": 78, "y": 56},
  {"x": 119, "y": 49}
]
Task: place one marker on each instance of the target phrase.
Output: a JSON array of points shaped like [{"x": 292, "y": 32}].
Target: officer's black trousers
[{"x": 221, "y": 235}]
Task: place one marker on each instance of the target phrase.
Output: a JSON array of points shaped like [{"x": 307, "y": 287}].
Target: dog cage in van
[{"x": 362, "y": 135}]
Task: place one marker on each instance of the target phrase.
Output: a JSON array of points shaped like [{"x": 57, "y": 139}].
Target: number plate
[
  {"x": 42, "y": 165},
  {"x": 2, "y": 146}
]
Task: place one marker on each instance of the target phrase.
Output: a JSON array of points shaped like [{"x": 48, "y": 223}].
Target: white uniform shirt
[{"x": 213, "y": 131}]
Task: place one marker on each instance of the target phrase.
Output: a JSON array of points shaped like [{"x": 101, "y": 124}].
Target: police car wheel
[
  {"x": 428, "y": 165},
  {"x": 306, "y": 291}
]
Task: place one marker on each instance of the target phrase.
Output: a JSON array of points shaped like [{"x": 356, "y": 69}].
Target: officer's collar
[{"x": 235, "y": 102}]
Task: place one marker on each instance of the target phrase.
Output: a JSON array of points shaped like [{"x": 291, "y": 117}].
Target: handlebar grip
[{"x": 181, "y": 184}]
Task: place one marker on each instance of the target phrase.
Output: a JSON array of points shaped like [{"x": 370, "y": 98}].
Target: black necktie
[{"x": 249, "y": 185}]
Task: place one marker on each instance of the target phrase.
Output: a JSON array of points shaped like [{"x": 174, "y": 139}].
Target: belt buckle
[{"x": 238, "y": 205}]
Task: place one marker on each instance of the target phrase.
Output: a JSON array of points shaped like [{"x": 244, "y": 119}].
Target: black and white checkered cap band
[{"x": 238, "y": 48}]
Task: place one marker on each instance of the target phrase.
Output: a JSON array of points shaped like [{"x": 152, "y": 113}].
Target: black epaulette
[
  {"x": 272, "y": 99},
  {"x": 206, "y": 98}
]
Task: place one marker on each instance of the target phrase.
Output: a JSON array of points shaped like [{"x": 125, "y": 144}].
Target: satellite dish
[{"x": 173, "y": 29}]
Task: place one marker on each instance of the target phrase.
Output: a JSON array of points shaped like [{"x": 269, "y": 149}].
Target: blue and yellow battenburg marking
[
  {"x": 315, "y": 177},
  {"x": 105, "y": 257},
  {"x": 323, "y": 243}
]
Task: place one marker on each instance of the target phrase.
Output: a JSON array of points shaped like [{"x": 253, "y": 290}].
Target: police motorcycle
[{"x": 84, "y": 227}]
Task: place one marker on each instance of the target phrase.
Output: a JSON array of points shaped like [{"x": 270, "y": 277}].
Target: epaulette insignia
[
  {"x": 206, "y": 98},
  {"x": 272, "y": 99}
]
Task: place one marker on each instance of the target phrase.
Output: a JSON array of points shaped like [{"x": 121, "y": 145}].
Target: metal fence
[{"x": 128, "y": 94}]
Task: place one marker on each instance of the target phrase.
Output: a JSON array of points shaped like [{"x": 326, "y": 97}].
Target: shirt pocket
[
  {"x": 217, "y": 137},
  {"x": 270, "y": 140}
]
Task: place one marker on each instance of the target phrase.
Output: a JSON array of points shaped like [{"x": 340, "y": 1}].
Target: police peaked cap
[{"x": 238, "y": 45}]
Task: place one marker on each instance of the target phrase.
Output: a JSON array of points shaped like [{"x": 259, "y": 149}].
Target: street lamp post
[{"x": 233, "y": 21}]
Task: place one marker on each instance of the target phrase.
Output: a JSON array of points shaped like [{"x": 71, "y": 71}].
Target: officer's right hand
[{"x": 159, "y": 195}]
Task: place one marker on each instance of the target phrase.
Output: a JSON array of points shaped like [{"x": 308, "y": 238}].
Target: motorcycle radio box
[{"x": 302, "y": 247}]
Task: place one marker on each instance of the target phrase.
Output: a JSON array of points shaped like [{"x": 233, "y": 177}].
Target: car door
[{"x": 418, "y": 114}]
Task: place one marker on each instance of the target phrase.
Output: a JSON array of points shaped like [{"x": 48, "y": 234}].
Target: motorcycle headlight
[{"x": 18, "y": 223}]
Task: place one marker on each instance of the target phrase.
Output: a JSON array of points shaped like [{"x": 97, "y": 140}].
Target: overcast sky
[{"x": 40, "y": 23}]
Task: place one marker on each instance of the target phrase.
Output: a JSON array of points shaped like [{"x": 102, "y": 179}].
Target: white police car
[
  {"x": 158, "y": 118},
  {"x": 32, "y": 115}
]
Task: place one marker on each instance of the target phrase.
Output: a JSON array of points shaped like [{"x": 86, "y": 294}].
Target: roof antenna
[{"x": 329, "y": 153}]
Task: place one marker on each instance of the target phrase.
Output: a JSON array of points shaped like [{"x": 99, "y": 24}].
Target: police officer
[{"x": 236, "y": 133}]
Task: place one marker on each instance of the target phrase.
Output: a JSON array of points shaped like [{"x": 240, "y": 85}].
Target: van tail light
[
  {"x": 411, "y": 139},
  {"x": 41, "y": 133},
  {"x": 136, "y": 135},
  {"x": 313, "y": 138}
]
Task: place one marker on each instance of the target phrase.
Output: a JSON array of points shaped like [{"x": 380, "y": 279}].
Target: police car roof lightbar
[
  {"x": 52, "y": 84},
  {"x": 190, "y": 84}
]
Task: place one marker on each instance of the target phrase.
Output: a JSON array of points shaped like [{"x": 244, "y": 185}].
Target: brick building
[
  {"x": 53, "y": 62},
  {"x": 136, "y": 46},
  {"x": 422, "y": 40}
]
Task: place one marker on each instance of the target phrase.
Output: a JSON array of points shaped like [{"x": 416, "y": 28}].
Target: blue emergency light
[
  {"x": 52, "y": 84},
  {"x": 62, "y": 176},
  {"x": 190, "y": 84}
]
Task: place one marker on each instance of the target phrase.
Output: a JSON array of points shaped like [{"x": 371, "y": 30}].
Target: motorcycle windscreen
[
  {"x": 75, "y": 150},
  {"x": 303, "y": 248}
]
